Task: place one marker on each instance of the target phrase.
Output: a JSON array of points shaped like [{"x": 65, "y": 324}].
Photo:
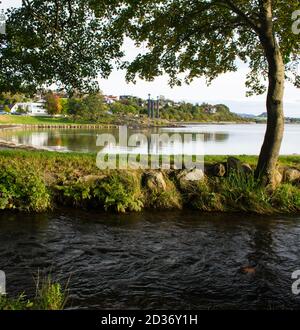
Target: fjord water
[
  {"x": 154, "y": 260},
  {"x": 234, "y": 139}
]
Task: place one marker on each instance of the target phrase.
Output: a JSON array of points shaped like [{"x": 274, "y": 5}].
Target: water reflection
[{"x": 218, "y": 139}]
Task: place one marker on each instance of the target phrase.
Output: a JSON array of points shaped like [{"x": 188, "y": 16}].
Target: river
[{"x": 155, "y": 260}]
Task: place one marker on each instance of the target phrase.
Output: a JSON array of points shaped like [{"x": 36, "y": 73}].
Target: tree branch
[{"x": 243, "y": 16}]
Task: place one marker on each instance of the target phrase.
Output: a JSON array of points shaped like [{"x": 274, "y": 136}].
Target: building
[
  {"x": 109, "y": 99},
  {"x": 126, "y": 97},
  {"x": 30, "y": 108},
  {"x": 210, "y": 109}
]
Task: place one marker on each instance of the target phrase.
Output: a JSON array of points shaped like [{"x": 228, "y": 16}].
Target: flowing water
[
  {"x": 168, "y": 260},
  {"x": 218, "y": 139}
]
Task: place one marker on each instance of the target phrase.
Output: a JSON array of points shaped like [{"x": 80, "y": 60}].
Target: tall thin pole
[
  {"x": 152, "y": 109},
  {"x": 149, "y": 105},
  {"x": 157, "y": 106}
]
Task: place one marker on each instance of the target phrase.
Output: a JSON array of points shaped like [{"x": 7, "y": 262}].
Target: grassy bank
[
  {"x": 128, "y": 120},
  {"x": 40, "y": 181},
  {"x": 49, "y": 296},
  {"x": 103, "y": 120},
  {"x": 28, "y": 120}
]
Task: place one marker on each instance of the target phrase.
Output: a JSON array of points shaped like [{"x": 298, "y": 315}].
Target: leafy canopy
[
  {"x": 56, "y": 41},
  {"x": 205, "y": 38},
  {"x": 70, "y": 42}
]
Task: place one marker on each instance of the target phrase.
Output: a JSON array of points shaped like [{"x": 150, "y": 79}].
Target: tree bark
[{"x": 266, "y": 167}]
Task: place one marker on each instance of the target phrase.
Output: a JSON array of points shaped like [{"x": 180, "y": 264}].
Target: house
[
  {"x": 30, "y": 108},
  {"x": 126, "y": 97},
  {"x": 211, "y": 110},
  {"x": 109, "y": 99}
]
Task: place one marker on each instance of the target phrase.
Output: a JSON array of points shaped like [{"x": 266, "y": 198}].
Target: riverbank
[
  {"x": 38, "y": 181},
  {"x": 105, "y": 121},
  {"x": 48, "y": 296}
]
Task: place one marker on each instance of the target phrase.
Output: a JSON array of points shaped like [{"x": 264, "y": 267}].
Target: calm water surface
[
  {"x": 218, "y": 139},
  {"x": 155, "y": 260}
]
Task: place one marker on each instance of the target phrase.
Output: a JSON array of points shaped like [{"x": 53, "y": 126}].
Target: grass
[
  {"x": 292, "y": 161},
  {"x": 38, "y": 181},
  {"x": 44, "y": 120},
  {"x": 104, "y": 119},
  {"x": 49, "y": 296},
  {"x": 28, "y": 120}
]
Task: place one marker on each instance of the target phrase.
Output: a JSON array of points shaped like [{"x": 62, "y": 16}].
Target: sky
[{"x": 228, "y": 88}]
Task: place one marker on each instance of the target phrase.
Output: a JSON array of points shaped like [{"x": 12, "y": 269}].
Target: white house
[
  {"x": 109, "y": 99},
  {"x": 31, "y": 108}
]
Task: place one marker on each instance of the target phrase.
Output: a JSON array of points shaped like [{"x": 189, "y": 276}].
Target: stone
[
  {"x": 218, "y": 169},
  {"x": 186, "y": 178},
  {"x": 248, "y": 270},
  {"x": 277, "y": 179},
  {"x": 291, "y": 175},
  {"x": 233, "y": 164},
  {"x": 91, "y": 178},
  {"x": 246, "y": 169},
  {"x": 155, "y": 181},
  {"x": 194, "y": 174}
]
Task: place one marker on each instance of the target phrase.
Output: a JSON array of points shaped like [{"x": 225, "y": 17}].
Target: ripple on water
[{"x": 156, "y": 260}]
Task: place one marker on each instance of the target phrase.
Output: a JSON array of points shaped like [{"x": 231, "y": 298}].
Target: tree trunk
[{"x": 270, "y": 150}]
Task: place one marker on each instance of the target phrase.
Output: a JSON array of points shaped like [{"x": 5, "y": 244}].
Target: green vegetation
[
  {"x": 53, "y": 104},
  {"x": 22, "y": 188},
  {"x": 7, "y": 98},
  {"x": 93, "y": 109},
  {"x": 49, "y": 296},
  {"x": 28, "y": 120},
  {"x": 89, "y": 107},
  {"x": 203, "y": 113},
  {"x": 38, "y": 181}
]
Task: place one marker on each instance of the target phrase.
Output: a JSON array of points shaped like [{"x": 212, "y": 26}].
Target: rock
[
  {"x": 194, "y": 174},
  {"x": 291, "y": 175},
  {"x": 233, "y": 164},
  {"x": 277, "y": 179},
  {"x": 218, "y": 170},
  {"x": 246, "y": 169},
  {"x": 91, "y": 178},
  {"x": 155, "y": 181},
  {"x": 248, "y": 270},
  {"x": 188, "y": 177}
]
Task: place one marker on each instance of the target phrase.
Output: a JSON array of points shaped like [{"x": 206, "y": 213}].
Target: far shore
[{"x": 107, "y": 121}]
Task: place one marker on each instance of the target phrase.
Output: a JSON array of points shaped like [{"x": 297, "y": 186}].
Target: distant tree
[
  {"x": 117, "y": 107},
  {"x": 75, "y": 107},
  {"x": 11, "y": 98},
  {"x": 90, "y": 107},
  {"x": 93, "y": 106},
  {"x": 53, "y": 104},
  {"x": 64, "y": 105},
  {"x": 6, "y": 109}
]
